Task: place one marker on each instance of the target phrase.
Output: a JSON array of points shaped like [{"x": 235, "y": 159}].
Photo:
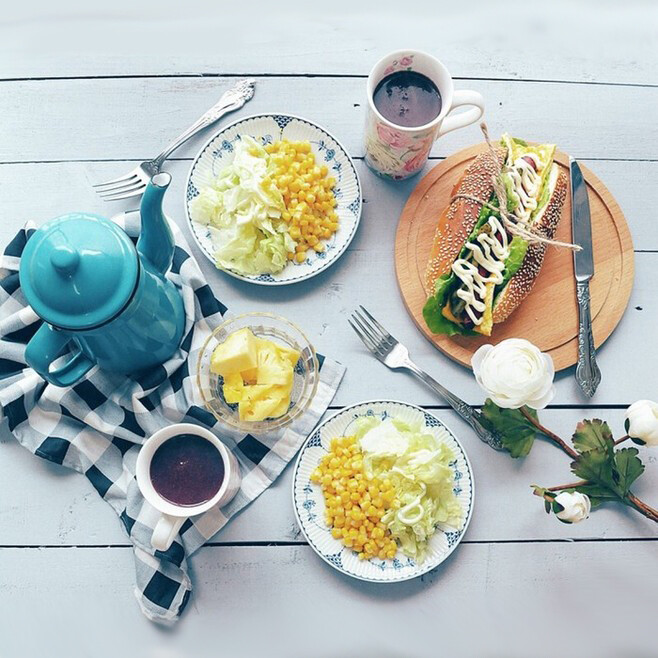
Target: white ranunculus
[
  {"x": 576, "y": 505},
  {"x": 642, "y": 417},
  {"x": 515, "y": 373}
]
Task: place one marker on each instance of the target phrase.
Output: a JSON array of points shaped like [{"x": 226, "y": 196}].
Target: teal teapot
[{"x": 103, "y": 301}]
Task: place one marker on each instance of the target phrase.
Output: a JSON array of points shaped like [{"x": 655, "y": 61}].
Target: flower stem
[
  {"x": 631, "y": 500},
  {"x": 642, "y": 507},
  {"x": 548, "y": 434},
  {"x": 623, "y": 438}
]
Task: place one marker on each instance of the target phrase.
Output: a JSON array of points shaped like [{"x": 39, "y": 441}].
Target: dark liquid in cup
[
  {"x": 408, "y": 99},
  {"x": 187, "y": 470}
]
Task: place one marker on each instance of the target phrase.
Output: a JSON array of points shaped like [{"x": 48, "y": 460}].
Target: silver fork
[
  {"x": 395, "y": 355},
  {"x": 135, "y": 181}
]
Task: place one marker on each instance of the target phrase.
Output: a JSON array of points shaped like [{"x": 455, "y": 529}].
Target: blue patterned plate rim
[
  {"x": 271, "y": 115},
  {"x": 317, "y": 432}
]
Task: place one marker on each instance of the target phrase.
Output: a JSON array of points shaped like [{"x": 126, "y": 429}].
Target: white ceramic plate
[
  {"x": 308, "y": 500},
  {"x": 266, "y": 128}
]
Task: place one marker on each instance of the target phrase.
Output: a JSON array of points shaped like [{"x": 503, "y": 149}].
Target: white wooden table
[{"x": 82, "y": 98}]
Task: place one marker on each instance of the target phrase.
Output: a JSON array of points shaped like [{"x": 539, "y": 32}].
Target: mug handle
[
  {"x": 463, "y": 97},
  {"x": 48, "y": 344},
  {"x": 165, "y": 531}
]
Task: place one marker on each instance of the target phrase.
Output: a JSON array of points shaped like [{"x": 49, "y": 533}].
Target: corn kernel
[{"x": 351, "y": 499}]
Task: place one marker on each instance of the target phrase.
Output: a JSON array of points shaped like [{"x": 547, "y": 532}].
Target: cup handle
[
  {"x": 165, "y": 531},
  {"x": 463, "y": 97},
  {"x": 48, "y": 344}
]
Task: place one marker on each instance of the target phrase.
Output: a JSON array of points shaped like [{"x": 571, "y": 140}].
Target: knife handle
[{"x": 588, "y": 374}]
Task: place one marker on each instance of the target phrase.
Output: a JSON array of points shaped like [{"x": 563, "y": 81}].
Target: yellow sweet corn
[
  {"x": 308, "y": 195},
  {"x": 354, "y": 504}
]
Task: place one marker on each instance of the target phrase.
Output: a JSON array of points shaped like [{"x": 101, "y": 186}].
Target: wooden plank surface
[
  {"x": 64, "y": 509},
  {"x": 124, "y": 118},
  {"x": 84, "y": 93},
  {"x": 48, "y": 197},
  {"x": 509, "y": 600},
  {"x": 586, "y": 41},
  {"x": 322, "y": 304}
]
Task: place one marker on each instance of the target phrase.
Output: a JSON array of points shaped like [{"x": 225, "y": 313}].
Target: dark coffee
[
  {"x": 187, "y": 470},
  {"x": 408, "y": 99}
]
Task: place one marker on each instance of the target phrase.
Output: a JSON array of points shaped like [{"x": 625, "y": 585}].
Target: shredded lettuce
[
  {"x": 243, "y": 211},
  {"x": 418, "y": 467}
]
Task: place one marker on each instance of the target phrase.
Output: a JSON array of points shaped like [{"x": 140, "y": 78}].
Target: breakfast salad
[
  {"x": 268, "y": 207},
  {"x": 388, "y": 487}
]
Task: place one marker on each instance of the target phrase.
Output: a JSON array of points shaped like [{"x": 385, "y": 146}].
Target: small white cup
[
  {"x": 398, "y": 152},
  {"x": 173, "y": 516}
]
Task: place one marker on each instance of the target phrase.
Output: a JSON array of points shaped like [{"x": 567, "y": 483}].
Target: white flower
[
  {"x": 515, "y": 373},
  {"x": 642, "y": 421},
  {"x": 576, "y": 505}
]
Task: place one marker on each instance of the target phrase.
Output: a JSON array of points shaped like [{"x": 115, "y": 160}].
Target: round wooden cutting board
[{"x": 548, "y": 316}]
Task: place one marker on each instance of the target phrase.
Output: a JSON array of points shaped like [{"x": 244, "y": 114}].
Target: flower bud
[
  {"x": 576, "y": 506},
  {"x": 642, "y": 422}
]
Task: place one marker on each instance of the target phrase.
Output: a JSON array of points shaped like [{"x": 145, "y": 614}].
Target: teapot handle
[{"x": 46, "y": 346}]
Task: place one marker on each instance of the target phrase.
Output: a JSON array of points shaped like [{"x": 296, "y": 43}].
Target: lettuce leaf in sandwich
[{"x": 442, "y": 309}]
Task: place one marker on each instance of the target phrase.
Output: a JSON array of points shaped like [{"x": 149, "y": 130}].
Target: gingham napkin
[{"x": 96, "y": 427}]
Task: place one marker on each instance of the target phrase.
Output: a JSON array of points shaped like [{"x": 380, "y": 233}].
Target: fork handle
[
  {"x": 472, "y": 416},
  {"x": 227, "y": 103}
]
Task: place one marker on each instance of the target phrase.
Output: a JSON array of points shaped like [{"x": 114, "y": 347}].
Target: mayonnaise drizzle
[
  {"x": 489, "y": 251},
  {"x": 526, "y": 182}
]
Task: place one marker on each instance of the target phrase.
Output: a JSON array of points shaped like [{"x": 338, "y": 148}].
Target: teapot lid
[{"x": 78, "y": 271}]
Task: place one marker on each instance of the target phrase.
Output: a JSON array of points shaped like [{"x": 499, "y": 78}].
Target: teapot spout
[{"x": 156, "y": 242}]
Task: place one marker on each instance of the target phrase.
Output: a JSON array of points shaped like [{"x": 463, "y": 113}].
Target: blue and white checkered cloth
[{"x": 97, "y": 426}]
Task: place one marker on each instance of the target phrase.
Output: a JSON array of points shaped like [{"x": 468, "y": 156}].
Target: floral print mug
[{"x": 398, "y": 152}]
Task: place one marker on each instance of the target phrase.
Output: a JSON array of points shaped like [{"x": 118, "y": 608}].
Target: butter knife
[{"x": 588, "y": 374}]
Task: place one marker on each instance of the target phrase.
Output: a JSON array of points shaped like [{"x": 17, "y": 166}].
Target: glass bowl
[{"x": 274, "y": 328}]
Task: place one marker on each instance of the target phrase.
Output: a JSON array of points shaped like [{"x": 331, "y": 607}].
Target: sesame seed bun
[
  {"x": 459, "y": 218},
  {"x": 521, "y": 283}
]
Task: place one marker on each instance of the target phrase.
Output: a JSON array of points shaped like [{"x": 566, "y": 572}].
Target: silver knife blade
[{"x": 581, "y": 225}]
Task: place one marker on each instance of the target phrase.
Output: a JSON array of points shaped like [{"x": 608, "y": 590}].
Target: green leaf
[
  {"x": 596, "y": 493},
  {"x": 593, "y": 435},
  {"x": 609, "y": 472},
  {"x": 596, "y": 466},
  {"x": 435, "y": 320},
  {"x": 629, "y": 467},
  {"x": 517, "y": 251},
  {"x": 557, "y": 508},
  {"x": 517, "y": 432}
]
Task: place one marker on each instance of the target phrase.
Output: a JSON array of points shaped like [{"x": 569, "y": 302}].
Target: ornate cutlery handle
[
  {"x": 233, "y": 99},
  {"x": 588, "y": 374},
  {"x": 472, "y": 416}
]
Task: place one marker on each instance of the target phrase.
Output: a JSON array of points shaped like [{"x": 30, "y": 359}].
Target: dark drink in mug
[{"x": 410, "y": 98}]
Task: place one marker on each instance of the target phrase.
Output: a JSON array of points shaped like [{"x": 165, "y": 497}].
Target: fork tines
[
  {"x": 373, "y": 334},
  {"x": 120, "y": 188}
]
